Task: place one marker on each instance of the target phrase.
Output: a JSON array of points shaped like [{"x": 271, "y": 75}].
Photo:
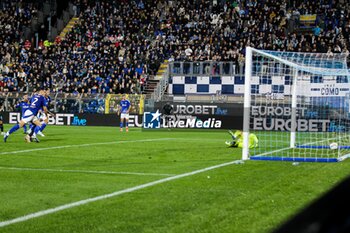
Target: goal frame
[{"x": 247, "y": 106}]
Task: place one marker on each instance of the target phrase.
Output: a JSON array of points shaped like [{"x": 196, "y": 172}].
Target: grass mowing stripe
[
  {"x": 85, "y": 145},
  {"x": 117, "y": 193},
  {"x": 84, "y": 171}
]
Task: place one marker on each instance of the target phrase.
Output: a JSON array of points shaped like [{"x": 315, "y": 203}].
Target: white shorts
[
  {"x": 124, "y": 116},
  {"x": 28, "y": 116}
]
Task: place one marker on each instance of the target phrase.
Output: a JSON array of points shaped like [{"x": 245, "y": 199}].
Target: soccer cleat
[
  {"x": 5, "y": 137},
  {"x": 41, "y": 134},
  {"x": 2, "y": 133},
  {"x": 121, "y": 129},
  {"x": 35, "y": 139},
  {"x": 127, "y": 130},
  {"x": 27, "y": 138}
]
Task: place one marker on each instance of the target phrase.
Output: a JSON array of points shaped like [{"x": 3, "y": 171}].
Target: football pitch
[{"x": 97, "y": 179}]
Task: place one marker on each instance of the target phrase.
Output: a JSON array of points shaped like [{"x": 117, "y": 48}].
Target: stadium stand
[{"x": 115, "y": 46}]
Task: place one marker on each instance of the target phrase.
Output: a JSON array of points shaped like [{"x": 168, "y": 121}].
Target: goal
[{"x": 298, "y": 106}]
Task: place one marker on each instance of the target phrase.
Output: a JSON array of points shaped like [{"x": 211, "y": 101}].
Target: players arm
[
  {"x": 18, "y": 106},
  {"x": 47, "y": 112},
  {"x": 50, "y": 113},
  {"x": 46, "y": 109}
]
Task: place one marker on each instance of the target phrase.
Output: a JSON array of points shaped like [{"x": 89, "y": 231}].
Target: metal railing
[{"x": 207, "y": 68}]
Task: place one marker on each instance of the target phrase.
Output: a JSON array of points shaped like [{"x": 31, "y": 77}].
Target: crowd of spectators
[
  {"x": 116, "y": 45},
  {"x": 205, "y": 31},
  {"x": 106, "y": 52},
  {"x": 14, "y": 17}
]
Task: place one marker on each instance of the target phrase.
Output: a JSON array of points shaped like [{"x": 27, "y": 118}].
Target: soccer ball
[{"x": 333, "y": 146}]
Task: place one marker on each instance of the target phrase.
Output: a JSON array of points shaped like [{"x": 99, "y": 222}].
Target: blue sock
[
  {"x": 121, "y": 124},
  {"x": 43, "y": 126},
  {"x": 126, "y": 124},
  {"x": 37, "y": 129},
  {"x": 14, "y": 129},
  {"x": 25, "y": 128}
]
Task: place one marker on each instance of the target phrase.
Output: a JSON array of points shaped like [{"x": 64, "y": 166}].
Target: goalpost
[{"x": 298, "y": 106}]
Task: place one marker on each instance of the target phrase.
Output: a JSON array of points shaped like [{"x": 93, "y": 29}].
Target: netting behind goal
[{"x": 298, "y": 106}]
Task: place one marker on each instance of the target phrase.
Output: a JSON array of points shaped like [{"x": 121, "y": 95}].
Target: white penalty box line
[
  {"x": 110, "y": 195},
  {"x": 85, "y": 145}
]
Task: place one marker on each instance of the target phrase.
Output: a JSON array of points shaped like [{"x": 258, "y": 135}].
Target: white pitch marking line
[
  {"x": 85, "y": 171},
  {"x": 114, "y": 194},
  {"x": 84, "y": 145}
]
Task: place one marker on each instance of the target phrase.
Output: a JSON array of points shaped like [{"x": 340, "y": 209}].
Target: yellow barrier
[{"x": 112, "y": 102}]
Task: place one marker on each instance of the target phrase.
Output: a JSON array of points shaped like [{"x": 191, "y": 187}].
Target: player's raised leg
[{"x": 27, "y": 116}]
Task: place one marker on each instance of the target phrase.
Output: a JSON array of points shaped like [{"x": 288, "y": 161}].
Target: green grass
[{"x": 255, "y": 196}]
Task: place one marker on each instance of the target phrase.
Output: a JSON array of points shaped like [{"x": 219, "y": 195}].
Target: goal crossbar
[{"x": 308, "y": 69}]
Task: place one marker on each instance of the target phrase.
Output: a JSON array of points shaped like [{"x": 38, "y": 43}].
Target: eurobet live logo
[
  {"x": 155, "y": 121},
  {"x": 58, "y": 119}
]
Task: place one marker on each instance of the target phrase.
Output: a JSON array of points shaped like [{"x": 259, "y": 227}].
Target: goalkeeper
[{"x": 237, "y": 140}]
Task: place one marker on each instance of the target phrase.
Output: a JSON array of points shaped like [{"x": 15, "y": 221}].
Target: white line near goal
[
  {"x": 85, "y": 145},
  {"x": 85, "y": 171},
  {"x": 114, "y": 194}
]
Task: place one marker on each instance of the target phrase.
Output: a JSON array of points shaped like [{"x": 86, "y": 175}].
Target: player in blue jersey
[
  {"x": 37, "y": 102},
  {"x": 124, "y": 108},
  {"x": 23, "y": 106},
  {"x": 42, "y": 115}
]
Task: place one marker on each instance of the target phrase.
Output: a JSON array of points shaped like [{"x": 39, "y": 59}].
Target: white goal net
[{"x": 297, "y": 104}]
